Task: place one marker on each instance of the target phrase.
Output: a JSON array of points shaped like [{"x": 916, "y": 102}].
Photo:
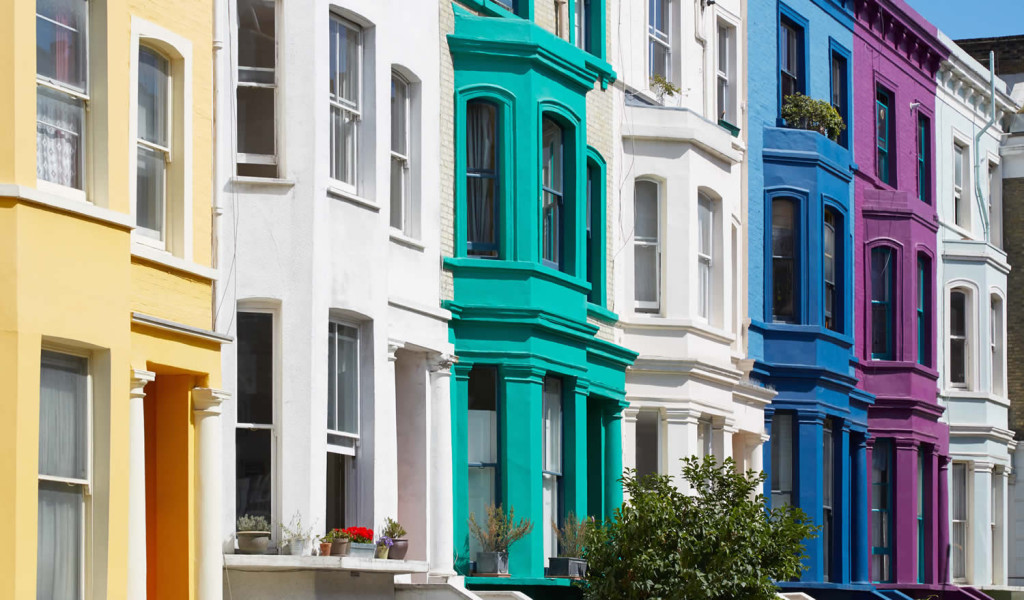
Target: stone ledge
[{"x": 271, "y": 562}]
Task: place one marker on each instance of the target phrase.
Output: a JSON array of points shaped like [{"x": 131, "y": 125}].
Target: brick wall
[
  {"x": 1009, "y": 52},
  {"x": 1013, "y": 241},
  {"x": 447, "y": 137}
]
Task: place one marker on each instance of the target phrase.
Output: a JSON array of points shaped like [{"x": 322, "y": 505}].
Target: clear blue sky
[{"x": 973, "y": 18}]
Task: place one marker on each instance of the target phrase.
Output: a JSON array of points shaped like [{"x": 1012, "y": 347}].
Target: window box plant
[
  {"x": 501, "y": 532},
  {"x": 571, "y": 537},
  {"x": 802, "y": 112},
  {"x": 296, "y": 539},
  {"x": 338, "y": 541},
  {"x": 253, "y": 534},
  {"x": 362, "y": 541},
  {"x": 396, "y": 533},
  {"x": 384, "y": 544}
]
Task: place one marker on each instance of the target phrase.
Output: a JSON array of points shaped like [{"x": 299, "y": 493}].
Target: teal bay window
[
  {"x": 883, "y": 281},
  {"x": 552, "y": 193},
  {"x": 594, "y": 258},
  {"x": 482, "y": 179},
  {"x": 883, "y": 135},
  {"x": 881, "y": 511}
]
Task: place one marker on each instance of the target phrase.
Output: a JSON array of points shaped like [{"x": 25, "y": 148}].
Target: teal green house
[{"x": 538, "y": 391}]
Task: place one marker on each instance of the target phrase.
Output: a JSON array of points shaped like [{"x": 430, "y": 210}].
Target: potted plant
[
  {"x": 663, "y": 87},
  {"x": 802, "y": 112},
  {"x": 384, "y": 544},
  {"x": 326, "y": 541},
  {"x": 571, "y": 537},
  {"x": 362, "y": 541},
  {"x": 502, "y": 531},
  {"x": 340, "y": 542},
  {"x": 253, "y": 534},
  {"x": 296, "y": 538},
  {"x": 400, "y": 545}
]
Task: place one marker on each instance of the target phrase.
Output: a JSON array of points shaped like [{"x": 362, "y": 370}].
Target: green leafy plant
[
  {"x": 335, "y": 535},
  {"x": 663, "y": 86},
  {"x": 502, "y": 529},
  {"x": 294, "y": 530},
  {"x": 803, "y": 112},
  {"x": 716, "y": 543},
  {"x": 252, "y": 523},
  {"x": 393, "y": 529},
  {"x": 572, "y": 535}
]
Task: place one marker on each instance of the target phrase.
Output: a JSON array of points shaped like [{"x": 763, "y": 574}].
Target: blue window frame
[
  {"x": 883, "y": 270},
  {"x": 552, "y": 193},
  {"x": 924, "y": 355},
  {"x": 791, "y": 58},
  {"x": 881, "y": 511},
  {"x": 784, "y": 260},
  {"x": 483, "y": 178},
  {"x": 883, "y": 135},
  {"x": 832, "y": 267},
  {"x": 924, "y": 159},
  {"x": 840, "y": 91}
]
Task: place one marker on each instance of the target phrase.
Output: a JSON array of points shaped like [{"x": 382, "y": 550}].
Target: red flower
[{"x": 360, "y": 535}]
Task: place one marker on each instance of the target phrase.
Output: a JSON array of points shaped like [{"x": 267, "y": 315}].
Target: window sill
[
  {"x": 601, "y": 313},
  {"x": 273, "y": 562},
  {"x": 64, "y": 204},
  {"x": 241, "y": 180},
  {"x": 340, "y": 193},
  {"x": 401, "y": 239},
  {"x": 168, "y": 260}
]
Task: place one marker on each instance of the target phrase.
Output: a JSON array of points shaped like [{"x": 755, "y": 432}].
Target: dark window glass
[
  {"x": 883, "y": 131},
  {"x": 482, "y": 179},
  {"x": 882, "y": 282},
  {"x": 791, "y": 58},
  {"x": 881, "y": 511},
  {"x": 958, "y": 338},
  {"x": 924, "y": 355},
  {"x": 831, "y": 267},
  {"x": 924, "y": 159},
  {"x": 552, "y": 194}
]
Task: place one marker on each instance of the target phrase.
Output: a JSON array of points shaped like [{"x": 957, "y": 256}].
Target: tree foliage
[
  {"x": 803, "y": 112},
  {"x": 718, "y": 543}
]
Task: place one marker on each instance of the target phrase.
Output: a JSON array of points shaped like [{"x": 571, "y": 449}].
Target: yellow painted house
[{"x": 109, "y": 373}]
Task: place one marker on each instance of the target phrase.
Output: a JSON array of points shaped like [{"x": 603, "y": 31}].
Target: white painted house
[
  {"x": 329, "y": 236},
  {"x": 680, "y": 241},
  {"x": 972, "y": 271}
]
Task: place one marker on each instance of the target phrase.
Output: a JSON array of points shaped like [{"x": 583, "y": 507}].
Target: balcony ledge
[{"x": 271, "y": 562}]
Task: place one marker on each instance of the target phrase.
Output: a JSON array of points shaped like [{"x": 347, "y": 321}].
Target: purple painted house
[{"x": 896, "y": 54}]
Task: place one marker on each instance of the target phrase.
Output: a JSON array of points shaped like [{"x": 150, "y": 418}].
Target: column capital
[
  {"x": 982, "y": 466},
  {"x": 393, "y": 347},
  {"x": 686, "y": 416},
  {"x": 630, "y": 414},
  {"x": 208, "y": 400},
  {"x": 811, "y": 418},
  {"x": 522, "y": 373},
  {"x": 906, "y": 444},
  {"x": 139, "y": 380},
  {"x": 441, "y": 362}
]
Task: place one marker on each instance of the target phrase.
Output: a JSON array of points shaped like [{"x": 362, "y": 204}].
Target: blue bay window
[
  {"x": 832, "y": 269},
  {"x": 883, "y": 270},
  {"x": 784, "y": 264}
]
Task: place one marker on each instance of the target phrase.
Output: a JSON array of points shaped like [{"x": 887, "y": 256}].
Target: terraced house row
[{"x": 346, "y": 261}]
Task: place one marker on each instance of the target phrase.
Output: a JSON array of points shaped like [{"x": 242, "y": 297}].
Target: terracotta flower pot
[
  {"x": 340, "y": 547},
  {"x": 325, "y": 548},
  {"x": 398, "y": 549}
]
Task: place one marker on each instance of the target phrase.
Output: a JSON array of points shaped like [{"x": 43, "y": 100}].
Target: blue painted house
[
  {"x": 539, "y": 388},
  {"x": 801, "y": 286}
]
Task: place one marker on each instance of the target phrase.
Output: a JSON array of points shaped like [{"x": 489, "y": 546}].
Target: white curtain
[
  {"x": 58, "y": 571},
  {"x": 58, "y": 137}
]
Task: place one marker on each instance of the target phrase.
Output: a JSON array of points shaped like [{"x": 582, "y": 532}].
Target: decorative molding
[
  {"x": 180, "y": 328},
  {"x": 139, "y": 380},
  {"x": 208, "y": 400},
  {"x": 441, "y": 362}
]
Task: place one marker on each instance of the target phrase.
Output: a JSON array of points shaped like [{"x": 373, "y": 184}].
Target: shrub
[
  {"x": 393, "y": 529},
  {"x": 802, "y": 112},
  {"x": 572, "y": 535},
  {"x": 252, "y": 523},
  {"x": 502, "y": 529}
]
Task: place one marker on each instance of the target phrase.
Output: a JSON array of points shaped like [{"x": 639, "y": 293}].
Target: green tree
[{"x": 718, "y": 543}]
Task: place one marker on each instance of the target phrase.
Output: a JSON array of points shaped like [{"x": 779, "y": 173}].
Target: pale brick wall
[
  {"x": 1013, "y": 241},
  {"x": 447, "y": 149},
  {"x": 544, "y": 14}
]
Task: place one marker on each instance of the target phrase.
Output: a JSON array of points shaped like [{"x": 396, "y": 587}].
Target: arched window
[
  {"x": 996, "y": 344},
  {"x": 646, "y": 246},
  {"x": 483, "y": 178},
  {"x": 784, "y": 280},
  {"x": 552, "y": 193},
  {"x": 959, "y": 348},
  {"x": 705, "y": 254},
  {"x": 831, "y": 269},
  {"x": 883, "y": 277}
]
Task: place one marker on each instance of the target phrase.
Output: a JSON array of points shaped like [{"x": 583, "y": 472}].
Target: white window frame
[
  {"x": 969, "y": 337},
  {"x": 349, "y": 439},
  {"x": 705, "y": 255},
  {"x": 86, "y": 485},
  {"x": 580, "y": 29},
  {"x": 266, "y": 308},
  {"x": 965, "y": 522},
  {"x": 663, "y": 39},
  {"x": 154, "y": 237},
  {"x": 242, "y": 158},
  {"x": 783, "y": 430},
  {"x": 345, "y": 106},
  {"x": 961, "y": 188},
  {"x": 403, "y": 160},
  {"x": 705, "y": 437},
  {"x": 178, "y": 234},
  {"x": 547, "y": 474},
  {"x": 995, "y": 201},
  {"x": 726, "y": 107},
  {"x": 83, "y": 96},
  {"x": 646, "y": 306},
  {"x": 997, "y": 343}
]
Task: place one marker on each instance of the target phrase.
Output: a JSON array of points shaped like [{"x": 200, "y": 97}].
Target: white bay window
[
  {"x": 705, "y": 250},
  {"x": 646, "y": 246},
  {"x": 345, "y": 98}
]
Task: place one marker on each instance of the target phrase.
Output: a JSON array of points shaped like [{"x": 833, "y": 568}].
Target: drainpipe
[{"x": 982, "y": 205}]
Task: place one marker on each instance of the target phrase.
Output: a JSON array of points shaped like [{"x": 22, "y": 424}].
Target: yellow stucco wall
[{"x": 70, "y": 281}]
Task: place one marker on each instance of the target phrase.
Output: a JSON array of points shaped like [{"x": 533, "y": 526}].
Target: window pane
[
  {"x": 481, "y": 137},
  {"x": 345, "y": 46},
  {"x": 958, "y": 166},
  {"x": 957, "y": 314},
  {"x": 398, "y": 191},
  {"x": 552, "y": 419},
  {"x": 256, "y": 120},
  {"x": 59, "y": 131},
  {"x": 705, "y": 220},
  {"x": 723, "y": 49},
  {"x": 343, "y": 379},
  {"x": 399, "y": 105},
  {"x": 63, "y": 416},
  {"x": 645, "y": 272},
  {"x": 648, "y": 425},
  {"x": 59, "y": 550},
  {"x": 339, "y": 469},
  {"x": 483, "y": 415},
  {"x": 255, "y": 368},
  {"x": 61, "y": 35},
  {"x": 646, "y": 210},
  {"x": 958, "y": 361},
  {"x": 256, "y": 43},
  {"x": 253, "y": 472},
  {"x": 551, "y": 517},
  {"x": 481, "y": 491},
  {"x": 153, "y": 73},
  {"x": 343, "y": 145},
  {"x": 552, "y": 156},
  {"x": 480, "y": 211},
  {"x": 149, "y": 191}
]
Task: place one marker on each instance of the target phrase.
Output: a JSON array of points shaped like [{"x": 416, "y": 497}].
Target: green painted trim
[
  {"x": 599, "y": 215},
  {"x": 503, "y": 582},
  {"x": 732, "y": 129},
  {"x": 602, "y": 314},
  {"x": 490, "y": 8}
]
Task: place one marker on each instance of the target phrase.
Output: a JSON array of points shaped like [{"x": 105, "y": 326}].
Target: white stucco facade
[
  {"x": 679, "y": 291},
  {"x": 314, "y": 247},
  {"x": 972, "y": 269}
]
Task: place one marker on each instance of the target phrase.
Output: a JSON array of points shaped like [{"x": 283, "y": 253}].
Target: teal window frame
[
  {"x": 883, "y": 135},
  {"x": 881, "y": 510},
  {"x": 883, "y": 301},
  {"x": 924, "y": 356},
  {"x": 920, "y": 517},
  {"x": 502, "y": 106},
  {"x": 553, "y": 192},
  {"x": 924, "y": 168},
  {"x": 596, "y": 218}
]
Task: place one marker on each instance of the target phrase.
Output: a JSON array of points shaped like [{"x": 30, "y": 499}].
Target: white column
[
  {"x": 441, "y": 527},
  {"x": 1001, "y": 482},
  {"x": 385, "y": 442},
  {"x": 979, "y": 568},
  {"x": 721, "y": 438},
  {"x": 680, "y": 435},
  {"x": 206, "y": 407},
  {"x": 137, "y": 484},
  {"x": 629, "y": 416}
]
